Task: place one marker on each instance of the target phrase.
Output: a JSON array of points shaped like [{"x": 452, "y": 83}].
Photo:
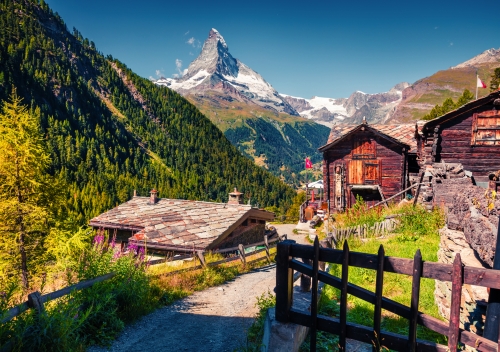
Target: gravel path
[{"x": 215, "y": 319}]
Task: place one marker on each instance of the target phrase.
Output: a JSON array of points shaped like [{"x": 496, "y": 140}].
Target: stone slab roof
[
  {"x": 177, "y": 222},
  {"x": 403, "y": 133}
]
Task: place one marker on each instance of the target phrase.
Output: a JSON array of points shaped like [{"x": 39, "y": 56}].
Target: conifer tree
[{"x": 23, "y": 162}]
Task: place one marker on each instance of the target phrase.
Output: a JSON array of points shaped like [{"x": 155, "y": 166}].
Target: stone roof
[
  {"x": 403, "y": 133},
  {"x": 177, "y": 222}
]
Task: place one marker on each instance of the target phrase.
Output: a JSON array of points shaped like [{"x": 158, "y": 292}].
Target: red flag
[
  {"x": 480, "y": 84},
  {"x": 309, "y": 164}
]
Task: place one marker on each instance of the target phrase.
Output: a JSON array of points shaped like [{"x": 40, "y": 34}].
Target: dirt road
[{"x": 212, "y": 320}]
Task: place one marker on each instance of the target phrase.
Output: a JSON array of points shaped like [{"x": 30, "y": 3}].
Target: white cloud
[
  {"x": 451, "y": 43},
  {"x": 190, "y": 53},
  {"x": 191, "y": 41},
  {"x": 186, "y": 33},
  {"x": 178, "y": 67}
]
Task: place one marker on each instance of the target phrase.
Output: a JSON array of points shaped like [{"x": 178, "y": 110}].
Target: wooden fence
[
  {"x": 36, "y": 300},
  {"x": 455, "y": 273},
  {"x": 339, "y": 235}
]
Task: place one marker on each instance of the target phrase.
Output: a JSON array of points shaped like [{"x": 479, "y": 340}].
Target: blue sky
[{"x": 314, "y": 48}]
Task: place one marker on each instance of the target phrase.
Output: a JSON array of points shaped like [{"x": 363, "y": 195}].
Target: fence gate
[{"x": 455, "y": 273}]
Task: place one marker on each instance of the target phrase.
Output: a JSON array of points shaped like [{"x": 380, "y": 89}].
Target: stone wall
[
  {"x": 474, "y": 298},
  {"x": 471, "y": 230}
]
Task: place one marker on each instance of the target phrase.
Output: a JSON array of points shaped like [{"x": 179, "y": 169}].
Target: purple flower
[
  {"x": 98, "y": 239},
  {"x": 113, "y": 241},
  {"x": 116, "y": 255},
  {"x": 132, "y": 247}
]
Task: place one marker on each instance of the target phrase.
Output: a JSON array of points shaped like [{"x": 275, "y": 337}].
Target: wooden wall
[
  {"x": 391, "y": 170},
  {"x": 455, "y": 143}
]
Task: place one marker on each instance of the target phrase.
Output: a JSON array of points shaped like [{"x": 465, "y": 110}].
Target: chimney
[
  {"x": 235, "y": 197},
  {"x": 153, "y": 198},
  {"x": 135, "y": 193}
]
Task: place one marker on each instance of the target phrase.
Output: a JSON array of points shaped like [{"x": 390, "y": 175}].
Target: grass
[{"x": 418, "y": 229}]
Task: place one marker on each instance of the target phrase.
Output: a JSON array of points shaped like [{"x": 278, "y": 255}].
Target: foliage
[
  {"x": 449, "y": 105},
  {"x": 418, "y": 229},
  {"x": 25, "y": 191},
  {"x": 292, "y": 214},
  {"x": 90, "y": 316},
  {"x": 284, "y": 144},
  {"x": 109, "y": 131},
  {"x": 359, "y": 214},
  {"x": 495, "y": 80}
]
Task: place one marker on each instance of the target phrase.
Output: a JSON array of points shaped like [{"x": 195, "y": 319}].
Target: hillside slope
[
  {"x": 419, "y": 98},
  {"x": 110, "y": 131}
]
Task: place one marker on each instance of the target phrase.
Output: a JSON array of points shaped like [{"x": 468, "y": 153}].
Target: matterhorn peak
[
  {"x": 217, "y": 70},
  {"x": 214, "y": 34}
]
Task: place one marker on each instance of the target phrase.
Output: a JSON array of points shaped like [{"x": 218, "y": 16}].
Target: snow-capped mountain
[
  {"x": 488, "y": 56},
  {"x": 215, "y": 69},
  {"x": 376, "y": 108}
]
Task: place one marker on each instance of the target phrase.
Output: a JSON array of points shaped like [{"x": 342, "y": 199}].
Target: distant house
[
  {"x": 469, "y": 135},
  {"x": 370, "y": 161},
  {"x": 183, "y": 225}
]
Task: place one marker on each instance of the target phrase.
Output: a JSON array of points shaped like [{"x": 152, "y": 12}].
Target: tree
[
  {"x": 449, "y": 105},
  {"x": 495, "y": 80},
  {"x": 24, "y": 213}
]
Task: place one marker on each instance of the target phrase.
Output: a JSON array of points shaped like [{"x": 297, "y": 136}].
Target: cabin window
[
  {"x": 262, "y": 221},
  {"x": 363, "y": 149},
  {"x": 486, "y": 128},
  {"x": 245, "y": 223},
  {"x": 253, "y": 221}
]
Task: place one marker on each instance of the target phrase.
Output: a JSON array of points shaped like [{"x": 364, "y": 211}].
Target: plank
[
  {"x": 456, "y": 298},
  {"x": 415, "y": 296},
  {"x": 314, "y": 296},
  {"x": 362, "y": 333},
  {"x": 379, "y": 286},
  {"x": 284, "y": 281},
  {"x": 343, "y": 297}
]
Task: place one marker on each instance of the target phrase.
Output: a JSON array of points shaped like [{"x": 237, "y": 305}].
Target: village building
[
  {"x": 177, "y": 225},
  {"x": 469, "y": 135},
  {"x": 374, "y": 162}
]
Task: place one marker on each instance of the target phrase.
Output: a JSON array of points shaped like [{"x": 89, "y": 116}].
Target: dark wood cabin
[
  {"x": 177, "y": 225},
  {"x": 371, "y": 161},
  {"x": 469, "y": 135}
]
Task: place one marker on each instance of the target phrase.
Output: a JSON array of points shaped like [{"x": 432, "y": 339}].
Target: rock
[{"x": 474, "y": 298}]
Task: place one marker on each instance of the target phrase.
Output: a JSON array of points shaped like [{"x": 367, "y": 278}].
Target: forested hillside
[{"x": 110, "y": 131}]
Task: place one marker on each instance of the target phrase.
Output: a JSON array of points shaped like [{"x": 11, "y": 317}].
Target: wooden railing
[
  {"x": 457, "y": 274},
  {"x": 36, "y": 300}
]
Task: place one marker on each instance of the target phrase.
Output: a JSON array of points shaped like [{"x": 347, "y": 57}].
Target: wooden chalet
[
  {"x": 177, "y": 225},
  {"x": 469, "y": 135},
  {"x": 371, "y": 161}
]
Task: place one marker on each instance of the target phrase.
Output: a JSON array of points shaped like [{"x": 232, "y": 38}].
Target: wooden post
[
  {"x": 35, "y": 302},
  {"x": 305, "y": 281},
  {"x": 200, "y": 256},
  {"x": 284, "y": 281},
  {"x": 323, "y": 244},
  {"x": 314, "y": 295},
  {"x": 492, "y": 323},
  {"x": 343, "y": 297},
  {"x": 456, "y": 298},
  {"x": 415, "y": 295},
  {"x": 266, "y": 243},
  {"x": 241, "y": 251},
  {"x": 377, "y": 312}
]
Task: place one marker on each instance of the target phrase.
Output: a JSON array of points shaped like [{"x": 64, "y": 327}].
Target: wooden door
[
  {"x": 355, "y": 172},
  {"x": 371, "y": 172},
  {"x": 364, "y": 172},
  {"x": 486, "y": 128}
]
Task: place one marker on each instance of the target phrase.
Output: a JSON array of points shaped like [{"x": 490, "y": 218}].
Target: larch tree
[{"x": 24, "y": 214}]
